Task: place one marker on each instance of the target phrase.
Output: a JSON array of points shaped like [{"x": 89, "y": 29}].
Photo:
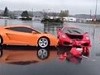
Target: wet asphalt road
[{"x": 52, "y": 65}]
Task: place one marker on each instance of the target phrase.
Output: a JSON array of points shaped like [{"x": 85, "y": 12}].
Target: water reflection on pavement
[
  {"x": 21, "y": 60},
  {"x": 32, "y": 60},
  {"x": 25, "y": 55}
]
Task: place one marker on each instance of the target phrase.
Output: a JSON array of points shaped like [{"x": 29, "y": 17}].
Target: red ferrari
[
  {"x": 73, "y": 56},
  {"x": 75, "y": 37}
]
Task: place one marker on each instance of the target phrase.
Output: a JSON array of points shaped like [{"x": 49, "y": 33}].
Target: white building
[
  {"x": 37, "y": 16},
  {"x": 69, "y": 19}
]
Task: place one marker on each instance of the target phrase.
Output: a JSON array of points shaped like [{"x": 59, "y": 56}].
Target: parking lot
[{"x": 20, "y": 60}]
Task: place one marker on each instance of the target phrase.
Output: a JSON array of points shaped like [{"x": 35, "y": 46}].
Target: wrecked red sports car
[
  {"x": 70, "y": 56},
  {"x": 71, "y": 36}
]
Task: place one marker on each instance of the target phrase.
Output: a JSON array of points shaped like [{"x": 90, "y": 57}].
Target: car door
[{"x": 21, "y": 36}]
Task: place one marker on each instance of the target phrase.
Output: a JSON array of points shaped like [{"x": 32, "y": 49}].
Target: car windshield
[{"x": 72, "y": 30}]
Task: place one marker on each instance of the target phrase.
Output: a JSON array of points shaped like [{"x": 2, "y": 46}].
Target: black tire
[
  {"x": 1, "y": 40},
  {"x": 1, "y": 51},
  {"x": 86, "y": 53},
  {"x": 43, "y": 42}
]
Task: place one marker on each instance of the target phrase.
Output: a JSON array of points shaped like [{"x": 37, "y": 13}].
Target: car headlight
[
  {"x": 87, "y": 38},
  {"x": 79, "y": 49},
  {"x": 63, "y": 36}
]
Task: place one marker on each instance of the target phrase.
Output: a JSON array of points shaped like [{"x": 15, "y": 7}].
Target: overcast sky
[{"x": 74, "y": 6}]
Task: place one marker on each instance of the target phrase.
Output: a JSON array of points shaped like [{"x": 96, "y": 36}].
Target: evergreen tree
[
  {"x": 64, "y": 13},
  {"x": 6, "y": 12},
  {"x": 25, "y": 14}
]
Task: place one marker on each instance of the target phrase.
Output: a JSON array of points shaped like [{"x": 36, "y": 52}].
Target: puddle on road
[
  {"x": 98, "y": 54},
  {"x": 28, "y": 56},
  {"x": 31, "y": 55}
]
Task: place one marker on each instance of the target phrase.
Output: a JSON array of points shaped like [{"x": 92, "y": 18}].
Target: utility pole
[
  {"x": 90, "y": 14},
  {"x": 95, "y": 18},
  {"x": 96, "y": 10}
]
